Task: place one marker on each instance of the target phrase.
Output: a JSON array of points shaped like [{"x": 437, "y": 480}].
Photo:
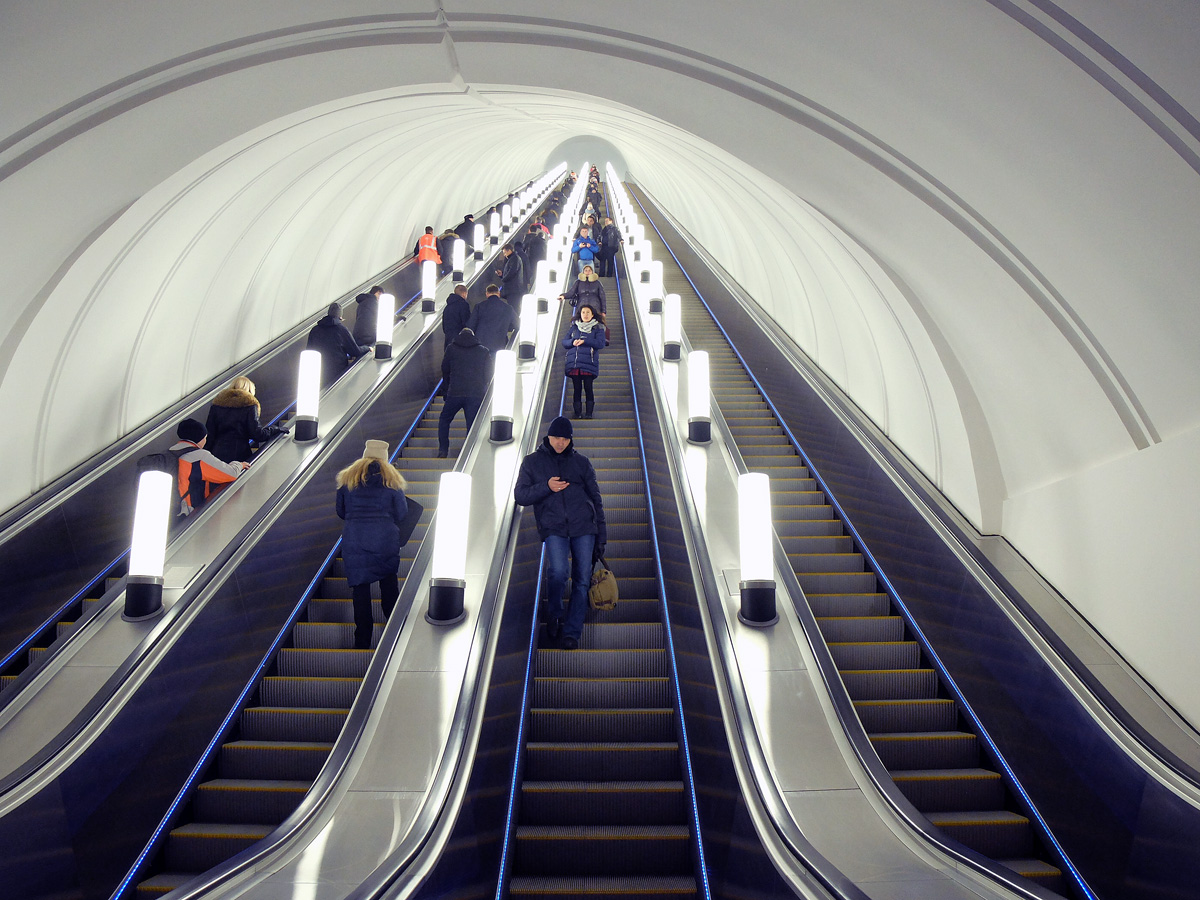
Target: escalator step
[
  {"x": 928, "y": 750},
  {"x": 163, "y": 883},
  {"x": 265, "y": 760},
  {"x": 196, "y": 847},
  {"x": 267, "y": 723},
  {"x": 602, "y": 802},
  {"x": 599, "y": 663},
  {"x": 822, "y": 562},
  {"x": 323, "y": 693},
  {"x": 604, "y": 888},
  {"x": 813, "y": 544},
  {"x": 861, "y": 628},
  {"x": 837, "y": 582},
  {"x": 329, "y": 635},
  {"x": 248, "y": 800},
  {"x": 579, "y": 725},
  {"x": 850, "y": 604},
  {"x": 894, "y": 716},
  {"x": 897, "y": 684},
  {"x": 601, "y": 693},
  {"x": 948, "y": 790},
  {"x": 1048, "y": 876},
  {"x": 329, "y": 663},
  {"x": 598, "y": 849},
  {"x": 999, "y": 834},
  {"x": 602, "y": 760},
  {"x": 876, "y": 655}
]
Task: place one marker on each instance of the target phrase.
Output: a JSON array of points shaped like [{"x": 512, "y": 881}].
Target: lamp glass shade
[
  {"x": 387, "y": 318},
  {"x": 428, "y": 279},
  {"x": 754, "y": 526},
  {"x": 151, "y": 519},
  {"x": 672, "y": 319},
  {"x": 480, "y": 236},
  {"x": 453, "y": 520},
  {"x": 504, "y": 383},
  {"x": 308, "y": 385},
  {"x": 699, "y": 406},
  {"x": 458, "y": 254},
  {"x": 494, "y": 224},
  {"x": 528, "y": 332},
  {"x": 505, "y": 214}
]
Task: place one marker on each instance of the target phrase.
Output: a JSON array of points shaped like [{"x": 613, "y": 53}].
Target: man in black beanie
[
  {"x": 560, "y": 484},
  {"x": 200, "y": 473}
]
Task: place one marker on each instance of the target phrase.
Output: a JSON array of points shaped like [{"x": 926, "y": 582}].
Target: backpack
[{"x": 168, "y": 463}]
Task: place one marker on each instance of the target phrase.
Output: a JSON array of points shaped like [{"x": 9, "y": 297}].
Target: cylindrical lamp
[
  {"x": 506, "y": 215},
  {"x": 448, "y": 583},
  {"x": 636, "y": 234},
  {"x": 428, "y": 285},
  {"x": 672, "y": 326},
  {"x": 494, "y": 228},
  {"x": 699, "y": 405},
  {"x": 148, "y": 550},
  {"x": 653, "y": 274},
  {"x": 458, "y": 258},
  {"x": 383, "y": 326},
  {"x": 527, "y": 335},
  {"x": 480, "y": 234},
  {"x": 756, "y": 540},
  {"x": 504, "y": 389},
  {"x": 308, "y": 396}
]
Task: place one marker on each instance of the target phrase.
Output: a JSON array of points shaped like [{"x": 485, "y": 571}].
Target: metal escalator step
[
  {"x": 810, "y": 518},
  {"x": 872, "y": 604},
  {"x": 36, "y": 653},
  {"x": 578, "y": 725},
  {"x": 796, "y": 542},
  {"x": 928, "y": 750},
  {"x": 323, "y": 693},
  {"x": 196, "y": 847},
  {"x": 604, "y": 887},
  {"x": 632, "y": 609},
  {"x": 629, "y": 531},
  {"x": 579, "y": 663},
  {"x": 876, "y": 654},
  {"x": 1045, "y": 874},
  {"x": 837, "y": 582},
  {"x": 329, "y": 635},
  {"x": 849, "y": 629},
  {"x": 782, "y": 496},
  {"x": 265, "y": 760},
  {"x": 600, "y": 693},
  {"x": 323, "y": 662},
  {"x": 163, "y": 883},
  {"x": 890, "y": 684},
  {"x": 823, "y": 562},
  {"x": 602, "y": 760},
  {"x": 270, "y": 723},
  {"x": 339, "y": 610},
  {"x": 897, "y": 716},
  {"x": 622, "y": 635},
  {"x": 599, "y": 849},
  {"x": 998, "y": 834},
  {"x": 948, "y": 790},
  {"x": 602, "y": 802},
  {"x": 260, "y": 801}
]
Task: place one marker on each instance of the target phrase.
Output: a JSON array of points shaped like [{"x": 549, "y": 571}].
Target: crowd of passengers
[{"x": 556, "y": 480}]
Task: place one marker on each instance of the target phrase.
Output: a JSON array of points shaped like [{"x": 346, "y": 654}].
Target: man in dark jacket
[
  {"x": 535, "y": 249},
  {"x": 336, "y": 344},
  {"x": 466, "y": 230},
  {"x": 466, "y": 370},
  {"x": 560, "y": 484},
  {"x": 492, "y": 319},
  {"x": 366, "y": 316},
  {"x": 610, "y": 245},
  {"x": 456, "y": 314},
  {"x": 512, "y": 276}
]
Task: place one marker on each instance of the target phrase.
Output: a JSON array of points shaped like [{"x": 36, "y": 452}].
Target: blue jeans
[
  {"x": 450, "y": 407},
  {"x": 586, "y": 262},
  {"x": 580, "y": 571}
]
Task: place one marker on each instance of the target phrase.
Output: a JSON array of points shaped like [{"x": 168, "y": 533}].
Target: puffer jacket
[
  {"x": 371, "y": 536},
  {"x": 585, "y": 357},
  {"x": 467, "y": 367},
  {"x": 588, "y": 291},
  {"x": 572, "y": 512},
  {"x": 586, "y": 248},
  {"x": 366, "y": 319},
  {"x": 199, "y": 475},
  {"x": 233, "y": 423}
]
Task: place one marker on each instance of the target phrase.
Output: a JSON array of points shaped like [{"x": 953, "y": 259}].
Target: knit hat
[
  {"x": 192, "y": 430},
  {"x": 334, "y": 311},
  {"x": 560, "y": 427},
  {"x": 376, "y": 450}
]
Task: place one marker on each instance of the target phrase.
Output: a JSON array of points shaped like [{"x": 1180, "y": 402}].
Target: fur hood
[
  {"x": 589, "y": 278},
  {"x": 234, "y": 398}
]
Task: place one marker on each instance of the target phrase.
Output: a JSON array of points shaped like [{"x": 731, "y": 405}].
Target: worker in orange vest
[{"x": 427, "y": 247}]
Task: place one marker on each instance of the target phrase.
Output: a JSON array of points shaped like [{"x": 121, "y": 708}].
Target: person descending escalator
[
  {"x": 587, "y": 289},
  {"x": 370, "y": 500},
  {"x": 560, "y": 484},
  {"x": 583, "y": 343}
]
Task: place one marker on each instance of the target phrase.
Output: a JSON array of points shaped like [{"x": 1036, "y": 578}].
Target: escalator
[
  {"x": 284, "y": 735},
  {"x": 603, "y": 807}
]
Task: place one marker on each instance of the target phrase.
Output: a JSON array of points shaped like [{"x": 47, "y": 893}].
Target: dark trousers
[
  {"x": 364, "y": 624},
  {"x": 580, "y": 571},
  {"x": 607, "y": 268},
  {"x": 450, "y": 408},
  {"x": 583, "y": 384}
]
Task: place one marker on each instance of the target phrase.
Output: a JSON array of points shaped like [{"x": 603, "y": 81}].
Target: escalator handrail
[{"x": 837, "y": 691}]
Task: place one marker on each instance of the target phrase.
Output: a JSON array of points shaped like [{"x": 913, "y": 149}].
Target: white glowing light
[
  {"x": 151, "y": 519},
  {"x": 308, "y": 385},
  {"x": 754, "y": 526},
  {"x": 452, "y": 523}
]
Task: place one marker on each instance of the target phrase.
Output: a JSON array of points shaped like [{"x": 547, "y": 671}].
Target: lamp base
[
  {"x": 645, "y": 279},
  {"x": 758, "y": 604},
  {"x": 526, "y": 351},
  {"x": 543, "y": 305},
  {"x": 305, "y": 429},
  {"x": 446, "y": 596},
  {"x": 494, "y": 239},
  {"x": 143, "y": 598},
  {"x": 383, "y": 351},
  {"x": 671, "y": 351},
  {"x": 427, "y": 304},
  {"x": 502, "y": 430},
  {"x": 699, "y": 431},
  {"x": 478, "y": 254},
  {"x": 656, "y": 305},
  {"x": 457, "y": 274}
]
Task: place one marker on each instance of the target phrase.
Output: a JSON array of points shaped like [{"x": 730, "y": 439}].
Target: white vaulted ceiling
[{"x": 979, "y": 218}]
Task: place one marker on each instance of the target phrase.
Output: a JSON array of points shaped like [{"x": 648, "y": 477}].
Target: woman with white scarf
[{"x": 583, "y": 343}]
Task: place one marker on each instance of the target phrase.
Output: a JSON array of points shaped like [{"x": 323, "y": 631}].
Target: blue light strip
[
  {"x": 687, "y": 753},
  {"x": 890, "y": 589}
]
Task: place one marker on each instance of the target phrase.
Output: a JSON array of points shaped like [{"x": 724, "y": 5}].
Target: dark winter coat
[
  {"x": 585, "y": 357},
  {"x": 535, "y": 248},
  {"x": 445, "y": 246},
  {"x": 512, "y": 276},
  {"x": 466, "y": 231},
  {"x": 467, "y": 367},
  {"x": 585, "y": 247},
  {"x": 588, "y": 292},
  {"x": 336, "y": 345},
  {"x": 455, "y": 316},
  {"x": 371, "y": 535},
  {"x": 610, "y": 240},
  {"x": 572, "y": 512},
  {"x": 491, "y": 320},
  {"x": 366, "y": 318},
  {"x": 233, "y": 423}
]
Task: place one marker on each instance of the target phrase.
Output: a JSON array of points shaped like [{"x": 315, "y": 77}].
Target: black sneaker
[
  {"x": 442, "y": 454},
  {"x": 570, "y": 643},
  {"x": 553, "y": 628}
]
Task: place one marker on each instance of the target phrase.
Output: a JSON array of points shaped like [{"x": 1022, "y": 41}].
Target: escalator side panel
[{"x": 1129, "y": 835}]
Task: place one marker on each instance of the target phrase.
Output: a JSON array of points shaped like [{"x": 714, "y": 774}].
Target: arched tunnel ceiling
[{"x": 978, "y": 218}]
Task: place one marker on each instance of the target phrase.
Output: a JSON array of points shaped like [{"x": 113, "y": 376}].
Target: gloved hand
[
  {"x": 597, "y": 552},
  {"x": 283, "y": 427}
]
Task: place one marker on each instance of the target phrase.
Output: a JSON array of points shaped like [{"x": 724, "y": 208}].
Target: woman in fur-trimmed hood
[
  {"x": 587, "y": 289},
  {"x": 233, "y": 422}
]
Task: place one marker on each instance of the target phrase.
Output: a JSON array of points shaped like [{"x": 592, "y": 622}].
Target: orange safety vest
[{"x": 427, "y": 249}]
